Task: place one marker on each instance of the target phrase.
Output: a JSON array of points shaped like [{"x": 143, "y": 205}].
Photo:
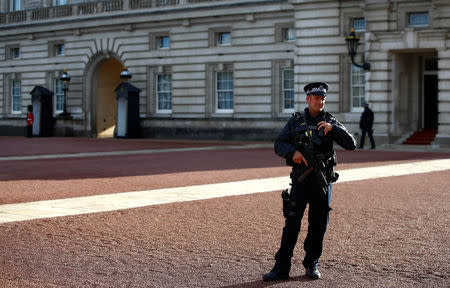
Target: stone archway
[
  {"x": 107, "y": 81},
  {"x": 102, "y": 78}
]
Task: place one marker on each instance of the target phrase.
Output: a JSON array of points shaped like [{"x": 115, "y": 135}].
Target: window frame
[
  {"x": 403, "y": 12},
  {"x": 14, "y": 3},
  {"x": 13, "y": 54},
  {"x": 14, "y": 96},
  {"x": 408, "y": 20},
  {"x": 58, "y": 95},
  {"x": 159, "y": 42},
  {"x": 361, "y": 72},
  {"x": 57, "y": 50},
  {"x": 284, "y": 89},
  {"x": 153, "y": 40},
  {"x": 213, "y": 36},
  {"x": 158, "y": 92},
  {"x": 285, "y": 32},
  {"x": 219, "y": 39},
  {"x": 57, "y": 2},
  {"x": 352, "y": 24},
  {"x": 280, "y": 31},
  {"x": 217, "y": 91}
]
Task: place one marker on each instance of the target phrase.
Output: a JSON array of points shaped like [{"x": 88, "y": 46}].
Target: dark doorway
[{"x": 430, "y": 101}]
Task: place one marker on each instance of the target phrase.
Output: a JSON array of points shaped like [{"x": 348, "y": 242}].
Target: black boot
[
  {"x": 312, "y": 273},
  {"x": 275, "y": 275}
]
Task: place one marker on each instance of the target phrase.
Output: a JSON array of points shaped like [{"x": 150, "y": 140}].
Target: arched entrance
[{"x": 107, "y": 81}]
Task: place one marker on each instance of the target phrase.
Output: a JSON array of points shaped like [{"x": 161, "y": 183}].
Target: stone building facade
[{"x": 227, "y": 69}]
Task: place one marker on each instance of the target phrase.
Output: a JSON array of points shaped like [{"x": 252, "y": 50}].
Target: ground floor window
[
  {"x": 16, "y": 96},
  {"x": 224, "y": 91},
  {"x": 164, "y": 93},
  {"x": 59, "y": 96},
  {"x": 358, "y": 83},
  {"x": 288, "y": 89}
]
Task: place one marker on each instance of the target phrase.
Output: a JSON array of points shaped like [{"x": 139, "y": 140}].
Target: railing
[
  {"x": 62, "y": 11},
  {"x": 87, "y": 8},
  {"x": 160, "y": 3},
  {"x": 16, "y": 16},
  {"x": 139, "y": 4}
]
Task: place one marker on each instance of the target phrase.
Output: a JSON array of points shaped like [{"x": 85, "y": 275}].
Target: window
[
  {"x": 16, "y": 96},
  {"x": 59, "y": 50},
  {"x": 223, "y": 38},
  {"x": 358, "y": 83},
  {"x": 359, "y": 24},
  {"x": 164, "y": 93},
  {"x": 16, "y": 5},
  {"x": 14, "y": 53},
  {"x": 60, "y": 2},
  {"x": 59, "y": 96},
  {"x": 418, "y": 19},
  {"x": 163, "y": 42},
  {"x": 159, "y": 40},
  {"x": 288, "y": 89},
  {"x": 288, "y": 34},
  {"x": 224, "y": 91}
]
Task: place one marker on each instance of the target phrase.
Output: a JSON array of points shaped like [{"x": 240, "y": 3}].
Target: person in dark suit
[{"x": 366, "y": 124}]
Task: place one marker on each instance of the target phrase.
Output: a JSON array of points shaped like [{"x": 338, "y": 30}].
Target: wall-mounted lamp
[{"x": 352, "y": 45}]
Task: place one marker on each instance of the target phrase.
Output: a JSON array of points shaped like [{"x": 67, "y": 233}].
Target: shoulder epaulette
[
  {"x": 329, "y": 116},
  {"x": 298, "y": 116}
]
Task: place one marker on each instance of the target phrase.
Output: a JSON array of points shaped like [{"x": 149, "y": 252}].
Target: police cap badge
[{"x": 316, "y": 88}]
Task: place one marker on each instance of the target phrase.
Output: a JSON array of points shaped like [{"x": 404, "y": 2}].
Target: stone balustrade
[{"x": 88, "y": 8}]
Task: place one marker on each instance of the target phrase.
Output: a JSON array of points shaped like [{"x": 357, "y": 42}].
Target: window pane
[
  {"x": 359, "y": 24},
  {"x": 59, "y": 96},
  {"x": 289, "y": 34},
  {"x": 59, "y": 49},
  {"x": 164, "y": 91},
  {"x": 225, "y": 92},
  {"x": 163, "y": 42},
  {"x": 16, "y": 5},
  {"x": 418, "y": 19},
  {"x": 15, "y": 53},
  {"x": 288, "y": 88},
  {"x": 224, "y": 38},
  {"x": 16, "y": 95},
  {"x": 358, "y": 82}
]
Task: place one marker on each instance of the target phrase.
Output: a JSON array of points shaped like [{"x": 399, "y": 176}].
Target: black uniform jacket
[
  {"x": 366, "y": 121},
  {"x": 285, "y": 145}
]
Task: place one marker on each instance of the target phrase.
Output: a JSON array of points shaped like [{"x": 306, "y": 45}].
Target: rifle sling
[{"x": 303, "y": 176}]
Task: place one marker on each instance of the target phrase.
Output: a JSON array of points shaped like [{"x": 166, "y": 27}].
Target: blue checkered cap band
[{"x": 316, "y": 88}]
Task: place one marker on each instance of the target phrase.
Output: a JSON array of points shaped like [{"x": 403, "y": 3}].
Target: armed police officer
[{"x": 306, "y": 142}]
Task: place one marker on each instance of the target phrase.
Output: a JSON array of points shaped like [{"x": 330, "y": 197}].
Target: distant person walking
[
  {"x": 365, "y": 124},
  {"x": 30, "y": 120}
]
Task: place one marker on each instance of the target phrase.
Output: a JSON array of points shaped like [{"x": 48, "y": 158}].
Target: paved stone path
[{"x": 129, "y": 200}]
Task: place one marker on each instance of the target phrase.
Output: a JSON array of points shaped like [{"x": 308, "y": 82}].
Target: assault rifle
[{"x": 305, "y": 142}]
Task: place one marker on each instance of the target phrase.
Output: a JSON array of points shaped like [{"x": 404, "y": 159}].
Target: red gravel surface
[{"x": 387, "y": 232}]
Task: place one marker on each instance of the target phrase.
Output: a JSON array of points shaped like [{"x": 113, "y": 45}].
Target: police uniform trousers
[{"x": 319, "y": 207}]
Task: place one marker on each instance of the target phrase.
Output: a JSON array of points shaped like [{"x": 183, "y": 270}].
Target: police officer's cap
[{"x": 316, "y": 88}]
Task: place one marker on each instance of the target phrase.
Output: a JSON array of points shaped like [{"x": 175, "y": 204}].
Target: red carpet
[{"x": 422, "y": 137}]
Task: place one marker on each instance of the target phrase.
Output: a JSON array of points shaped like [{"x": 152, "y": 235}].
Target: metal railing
[{"x": 89, "y": 8}]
